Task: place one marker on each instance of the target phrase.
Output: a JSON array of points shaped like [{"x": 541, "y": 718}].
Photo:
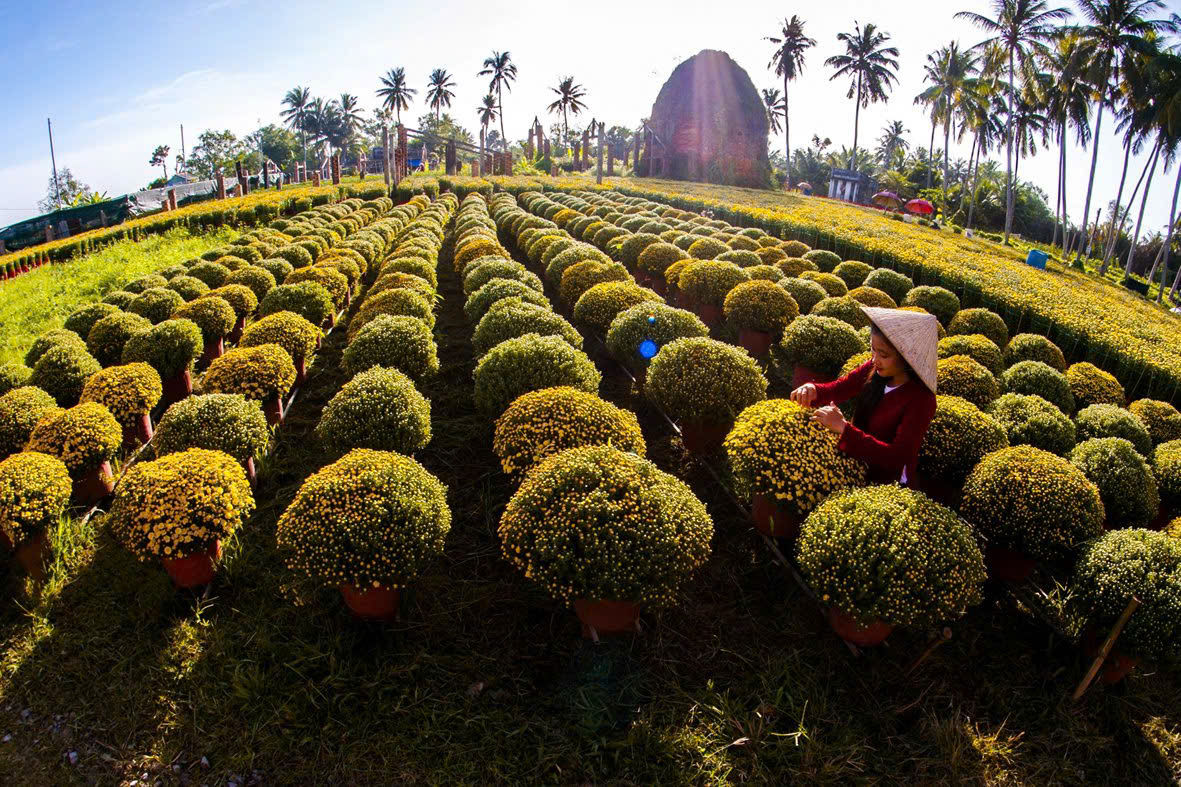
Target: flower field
[{"x": 472, "y": 484}]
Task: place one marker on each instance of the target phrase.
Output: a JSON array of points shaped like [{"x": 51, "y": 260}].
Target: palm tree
[
  {"x": 487, "y": 112},
  {"x": 296, "y": 113},
  {"x": 982, "y": 111},
  {"x": 870, "y": 66},
  {"x": 1023, "y": 27},
  {"x": 395, "y": 93},
  {"x": 951, "y": 72},
  {"x": 788, "y": 62},
  {"x": 570, "y": 98},
  {"x": 776, "y": 108},
  {"x": 438, "y": 92},
  {"x": 503, "y": 72},
  {"x": 1116, "y": 28},
  {"x": 351, "y": 116},
  {"x": 892, "y": 141},
  {"x": 1068, "y": 99}
]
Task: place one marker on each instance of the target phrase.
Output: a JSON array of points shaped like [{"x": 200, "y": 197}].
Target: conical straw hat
[{"x": 914, "y": 335}]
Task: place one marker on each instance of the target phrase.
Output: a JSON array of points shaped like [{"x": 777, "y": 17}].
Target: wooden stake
[
  {"x": 943, "y": 638},
  {"x": 1105, "y": 650}
]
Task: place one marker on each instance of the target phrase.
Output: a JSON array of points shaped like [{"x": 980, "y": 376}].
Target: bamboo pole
[{"x": 1105, "y": 650}]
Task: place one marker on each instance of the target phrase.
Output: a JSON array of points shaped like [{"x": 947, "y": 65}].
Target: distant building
[{"x": 849, "y": 185}]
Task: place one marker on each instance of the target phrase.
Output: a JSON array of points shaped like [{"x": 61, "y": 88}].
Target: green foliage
[
  {"x": 395, "y": 342},
  {"x": 959, "y": 436},
  {"x": 1107, "y": 420},
  {"x": 941, "y": 302},
  {"x": 529, "y": 363},
  {"x": 981, "y": 321},
  {"x": 1035, "y": 377},
  {"x": 1125, "y": 482},
  {"x": 1034, "y": 347},
  {"x": 821, "y": 344},
  {"x": 703, "y": 380},
  {"x": 380, "y": 409},
  {"x": 229, "y": 423},
  {"x": 1029, "y": 419},
  {"x": 62, "y": 371},
  {"x": 893, "y": 283}
]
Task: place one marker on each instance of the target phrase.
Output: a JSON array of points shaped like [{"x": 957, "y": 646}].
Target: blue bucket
[{"x": 1037, "y": 259}]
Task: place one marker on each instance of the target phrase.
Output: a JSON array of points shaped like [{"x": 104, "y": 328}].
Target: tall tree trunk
[
  {"x": 1066, "y": 236},
  {"x": 786, "y": 130},
  {"x": 565, "y": 129},
  {"x": 946, "y": 145},
  {"x": 500, "y": 106},
  {"x": 1095, "y": 141},
  {"x": 975, "y": 183},
  {"x": 1169, "y": 239},
  {"x": 1155, "y": 264},
  {"x": 856, "y": 122},
  {"x": 1155, "y": 158},
  {"x": 1009, "y": 151},
  {"x": 1112, "y": 231},
  {"x": 972, "y": 156},
  {"x": 931, "y": 151},
  {"x": 1058, "y": 199}
]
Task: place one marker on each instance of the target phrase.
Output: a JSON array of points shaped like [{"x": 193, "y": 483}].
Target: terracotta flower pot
[
  {"x": 803, "y": 374},
  {"x": 251, "y": 473},
  {"x": 96, "y": 484},
  {"x": 273, "y": 409},
  {"x": 1116, "y": 666},
  {"x": 704, "y": 438},
  {"x": 772, "y": 519},
  {"x": 301, "y": 373},
  {"x": 212, "y": 350},
  {"x": 33, "y": 554},
  {"x": 1008, "y": 565},
  {"x": 757, "y": 343},
  {"x": 371, "y": 603},
  {"x": 607, "y": 617},
  {"x": 195, "y": 570},
  {"x": 137, "y": 433},
  {"x": 863, "y": 636},
  {"x": 176, "y": 388},
  {"x": 710, "y": 314},
  {"x": 329, "y": 321}
]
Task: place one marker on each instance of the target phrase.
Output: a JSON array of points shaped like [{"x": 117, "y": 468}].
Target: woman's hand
[
  {"x": 830, "y": 417},
  {"x": 804, "y": 395}
]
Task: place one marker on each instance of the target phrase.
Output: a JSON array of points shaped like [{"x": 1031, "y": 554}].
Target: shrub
[
  {"x": 1034, "y": 347},
  {"x": 710, "y": 281},
  {"x": 260, "y": 373},
  {"x": 278, "y": 267},
  {"x": 1126, "y": 563},
  {"x": 406, "y": 303},
  {"x": 1031, "y": 420},
  {"x": 886, "y": 553},
  {"x": 1107, "y": 420},
  {"x": 821, "y": 344},
  {"x": 145, "y": 283},
  {"x": 775, "y": 449},
  {"x": 893, "y": 283},
  {"x": 707, "y": 249},
  {"x": 370, "y": 519},
  {"x": 795, "y": 248},
  {"x": 1161, "y": 419},
  {"x": 980, "y": 321},
  {"x": 596, "y": 523},
  {"x": 764, "y": 272},
  {"x": 1032, "y": 501},
  {"x": 979, "y": 348},
  {"x": 656, "y": 257},
  {"x": 119, "y": 298},
  {"x": 1035, "y": 377},
  {"x": 293, "y": 255},
  {"x": 397, "y": 280},
  {"x": 169, "y": 347},
  {"x": 672, "y": 273},
  {"x": 557, "y": 266},
  {"x": 258, "y": 280},
  {"x": 331, "y": 280},
  {"x": 288, "y": 330},
  {"x": 960, "y": 435},
  {"x": 649, "y": 322},
  {"x": 395, "y": 342},
  {"x": 58, "y": 337},
  {"x": 844, "y": 309},
  {"x": 211, "y": 314},
  {"x": 961, "y": 376},
  {"x": 943, "y": 303},
  {"x": 760, "y": 305},
  {"x": 34, "y": 494},
  {"x": 529, "y": 363},
  {"x": 156, "y": 305},
  {"x": 413, "y": 265},
  {"x": 212, "y": 273},
  {"x": 1124, "y": 480},
  {"x": 804, "y": 292},
  {"x": 796, "y": 266},
  {"x": 82, "y": 320},
  {"x": 13, "y": 376},
  {"x": 852, "y": 273},
  {"x": 307, "y": 299},
  {"x": 743, "y": 259},
  {"x": 511, "y": 318},
  {"x": 128, "y": 391},
  {"x": 380, "y": 409},
  {"x": 179, "y": 504},
  {"x": 602, "y": 303},
  {"x": 62, "y": 371},
  {"x": 739, "y": 243},
  {"x": 240, "y": 298},
  {"x": 542, "y": 423},
  {"x": 832, "y": 284},
  {"x": 20, "y": 410},
  {"x": 825, "y": 260},
  {"x": 871, "y": 296},
  {"x": 703, "y": 380},
  {"x": 229, "y": 423},
  {"x": 84, "y": 436},
  {"x": 771, "y": 255},
  {"x": 1091, "y": 385},
  {"x": 1166, "y": 466},
  {"x": 479, "y": 275},
  {"x": 496, "y": 290},
  {"x": 188, "y": 287},
  {"x": 635, "y": 245},
  {"x": 107, "y": 337},
  {"x": 581, "y": 276}
]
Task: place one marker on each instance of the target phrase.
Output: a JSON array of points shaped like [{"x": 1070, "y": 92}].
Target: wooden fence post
[
  {"x": 385, "y": 154},
  {"x": 334, "y": 168},
  {"x": 221, "y": 186},
  {"x": 475, "y": 167},
  {"x": 172, "y": 199},
  {"x": 450, "y": 157},
  {"x": 599, "y": 176}
]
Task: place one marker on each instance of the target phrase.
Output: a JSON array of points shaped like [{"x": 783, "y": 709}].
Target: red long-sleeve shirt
[{"x": 895, "y": 429}]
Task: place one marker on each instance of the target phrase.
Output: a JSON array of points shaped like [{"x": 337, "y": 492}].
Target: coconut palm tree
[
  {"x": 788, "y": 62},
  {"x": 351, "y": 116},
  {"x": 503, "y": 72},
  {"x": 1068, "y": 99},
  {"x": 569, "y": 99},
  {"x": 951, "y": 71},
  {"x": 776, "y": 108},
  {"x": 438, "y": 91},
  {"x": 296, "y": 115},
  {"x": 1023, "y": 27},
  {"x": 892, "y": 141},
  {"x": 983, "y": 109},
  {"x": 487, "y": 112},
  {"x": 870, "y": 66},
  {"x": 395, "y": 92}
]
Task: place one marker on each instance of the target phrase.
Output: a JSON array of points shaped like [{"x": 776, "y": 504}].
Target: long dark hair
[{"x": 875, "y": 389}]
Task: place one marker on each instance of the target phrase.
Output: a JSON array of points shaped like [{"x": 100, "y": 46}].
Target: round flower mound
[
  {"x": 1035, "y": 377},
  {"x": 941, "y": 302},
  {"x": 1126, "y": 563},
  {"x": 760, "y": 305},
  {"x": 581, "y": 276},
  {"x": 34, "y": 493},
  {"x": 229, "y": 423},
  {"x": 981, "y": 321},
  {"x": 1107, "y": 420},
  {"x": 119, "y": 298},
  {"x": 396, "y": 342},
  {"x": 212, "y": 273},
  {"x": 211, "y": 314},
  {"x": 825, "y": 260},
  {"x": 707, "y": 249},
  {"x": 542, "y": 423},
  {"x": 287, "y": 329},
  {"x": 371, "y": 519},
  {"x": 20, "y": 410},
  {"x": 764, "y": 272},
  {"x": 406, "y": 303},
  {"x": 529, "y": 363},
  {"x": 1126, "y": 484},
  {"x": 601, "y": 304},
  {"x": 978, "y": 347},
  {"x": 144, "y": 283},
  {"x": 821, "y": 344},
  {"x": 58, "y": 337},
  {"x": 1028, "y": 419},
  {"x": 496, "y": 290},
  {"x": 83, "y": 319},
  {"x": 483, "y": 272},
  {"x": 583, "y": 252},
  {"x": 893, "y": 283},
  {"x": 704, "y": 380},
  {"x": 635, "y": 245},
  {"x": 188, "y": 287},
  {"x": 127, "y": 391},
  {"x": 961, "y": 376},
  {"x": 403, "y": 281},
  {"x": 379, "y": 408},
  {"x": 833, "y": 285},
  {"x": 240, "y": 298},
  {"x": 871, "y": 296},
  {"x": 1166, "y": 465},
  {"x": 278, "y": 267},
  {"x": 776, "y": 449},
  {"x": 169, "y": 347},
  {"x": 960, "y": 435},
  {"x": 307, "y": 299},
  {"x": 795, "y": 266},
  {"x": 656, "y": 257},
  {"x": 156, "y": 305},
  {"x": 710, "y": 281},
  {"x": 890, "y": 554},
  {"x": 13, "y": 376},
  {"x": 596, "y": 523},
  {"x": 62, "y": 371},
  {"x": 1034, "y": 347},
  {"x": 649, "y": 322},
  {"x": 804, "y": 292},
  {"x": 844, "y": 309},
  {"x": 510, "y": 318},
  {"x": 852, "y": 273},
  {"x": 258, "y": 373},
  {"x": 743, "y": 259},
  {"x": 1161, "y": 419},
  {"x": 1091, "y": 385},
  {"x": 106, "y": 339},
  {"x": 1032, "y": 501},
  {"x": 258, "y": 280},
  {"x": 179, "y": 504},
  {"x": 83, "y": 437}
]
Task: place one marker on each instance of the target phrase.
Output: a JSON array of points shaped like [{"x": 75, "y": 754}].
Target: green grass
[
  {"x": 40, "y": 300},
  {"x": 485, "y": 680}
]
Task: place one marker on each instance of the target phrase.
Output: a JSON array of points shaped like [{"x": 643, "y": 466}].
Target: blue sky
[{"x": 119, "y": 78}]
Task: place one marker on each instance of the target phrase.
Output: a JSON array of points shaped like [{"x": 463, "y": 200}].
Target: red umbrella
[
  {"x": 887, "y": 198},
  {"x": 920, "y": 206}
]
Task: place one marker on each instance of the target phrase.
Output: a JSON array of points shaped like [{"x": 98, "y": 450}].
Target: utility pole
[{"x": 56, "y": 186}]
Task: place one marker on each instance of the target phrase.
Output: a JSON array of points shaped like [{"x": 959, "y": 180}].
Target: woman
[{"x": 895, "y": 392}]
